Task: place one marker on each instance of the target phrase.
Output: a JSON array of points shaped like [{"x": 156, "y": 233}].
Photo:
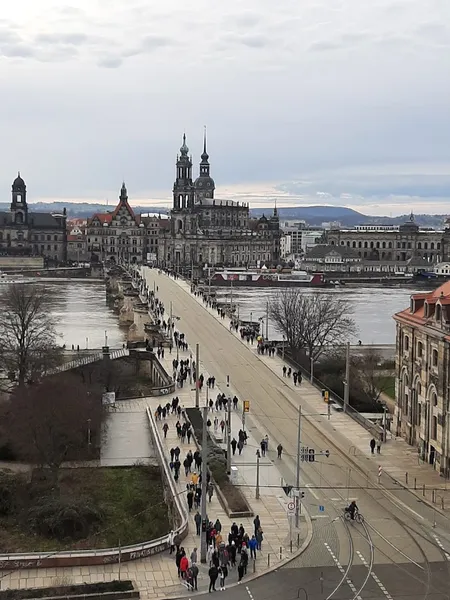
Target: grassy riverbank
[{"x": 121, "y": 506}]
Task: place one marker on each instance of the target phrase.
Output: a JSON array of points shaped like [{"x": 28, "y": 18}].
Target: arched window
[{"x": 419, "y": 245}]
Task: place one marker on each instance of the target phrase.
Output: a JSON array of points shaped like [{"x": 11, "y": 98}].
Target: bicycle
[{"x": 358, "y": 516}]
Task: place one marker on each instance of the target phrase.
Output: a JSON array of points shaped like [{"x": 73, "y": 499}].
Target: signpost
[{"x": 245, "y": 409}]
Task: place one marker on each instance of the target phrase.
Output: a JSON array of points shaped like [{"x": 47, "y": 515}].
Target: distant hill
[
  {"x": 316, "y": 215},
  {"x": 313, "y": 215},
  {"x": 80, "y": 209}
]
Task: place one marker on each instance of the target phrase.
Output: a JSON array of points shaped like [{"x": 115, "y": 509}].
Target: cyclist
[{"x": 352, "y": 508}]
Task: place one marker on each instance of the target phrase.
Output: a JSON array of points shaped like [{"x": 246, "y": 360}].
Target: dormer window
[
  {"x": 411, "y": 308},
  {"x": 438, "y": 313}
]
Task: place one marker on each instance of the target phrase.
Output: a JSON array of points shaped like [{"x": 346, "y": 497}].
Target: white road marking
[
  {"x": 342, "y": 571},
  {"x": 374, "y": 577},
  {"x": 308, "y": 485},
  {"x": 249, "y": 592},
  {"x": 441, "y": 546}
]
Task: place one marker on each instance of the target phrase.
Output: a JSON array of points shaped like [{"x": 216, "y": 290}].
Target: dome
[
  {"x": 184, "y": 150},
  {"x": 18, "y": 182},
  {"x": 204, "y": 183}
]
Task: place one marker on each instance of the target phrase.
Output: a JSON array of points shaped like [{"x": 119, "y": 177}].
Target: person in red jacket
[{"x": 184, "y": 565}]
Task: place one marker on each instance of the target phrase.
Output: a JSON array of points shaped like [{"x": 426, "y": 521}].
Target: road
[{"x": 397, "y": 543}]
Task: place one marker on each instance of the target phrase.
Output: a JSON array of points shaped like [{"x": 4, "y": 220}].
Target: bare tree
[
  {"x": 367, "y": 375},
  {"x": 53, "y": 422},
  {"x": 27, "y": 332},
  {"x": 312, "y": 323}
]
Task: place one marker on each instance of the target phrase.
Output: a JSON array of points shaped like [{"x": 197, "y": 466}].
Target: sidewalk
[
  {"x": 398, "y": 460},
  {"x": 271, "y": 507}
]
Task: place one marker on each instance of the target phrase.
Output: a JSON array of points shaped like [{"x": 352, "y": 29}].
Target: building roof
[
  {"x": 323, "y": 250},
  {"x": 75, "y": 238},
  {"x": 37, "y": 220},
  {"x": 440, "y": 294}
]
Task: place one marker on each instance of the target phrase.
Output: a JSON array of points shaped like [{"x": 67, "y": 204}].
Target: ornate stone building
[
  {"x": 26, "y": 233},
  {"x": 390, "y": 243},
  {"x": 423, "y": 376},
  {"x": 121, "y": 236},
  {"x": 208, "y": 231}
]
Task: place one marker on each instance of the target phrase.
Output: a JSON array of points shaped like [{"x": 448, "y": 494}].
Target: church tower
[
  {"x": 183, "y": 188},
  {"x": 19, "y": 207},
  {"x": 204, "y": 184}
]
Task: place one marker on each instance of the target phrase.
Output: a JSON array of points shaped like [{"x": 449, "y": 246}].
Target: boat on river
[
  {"x": 6, "y": 279},
  {"x": 263, "y": 278}
]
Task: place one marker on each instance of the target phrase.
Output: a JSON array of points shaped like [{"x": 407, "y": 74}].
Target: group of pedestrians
[{"x": 296, "y": 375}]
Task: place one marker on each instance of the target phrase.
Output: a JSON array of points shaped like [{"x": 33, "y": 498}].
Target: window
[
  {"x": 49, "y": 247},
  {"x": 406, "y": 343},
  {"x": 438, "y": 313},
  {"x": 419, "y": 349},
  {"x": 49, "y": 237},
  {"x": 434, "y": 428},
  {"x": 55, "y": 238},
  {"x": 434, "y": 399},
  {"x": 55, "y": 247},
  {"x": 434, "y": 358}
]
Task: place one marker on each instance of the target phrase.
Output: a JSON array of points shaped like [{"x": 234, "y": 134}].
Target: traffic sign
[
  {"x": 291, "y": 505},
  {"x": 246, "y": 406},
  {"x": 311, "y": 455},
  {"x": 287, "y": 489},
  {"x": 321, "y": 508},
  {"x": 325, "y": 453}
]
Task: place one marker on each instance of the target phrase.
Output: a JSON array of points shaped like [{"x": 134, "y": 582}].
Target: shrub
[
  {"x": 217, "y": 464},
  {"x": 69, "y": 590},
  {"x": 62, "y": 518}
]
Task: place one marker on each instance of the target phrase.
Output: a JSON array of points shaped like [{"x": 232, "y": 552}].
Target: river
[
  {"x": 81, "y": 313},
  {"x": 373, "y": 308}
]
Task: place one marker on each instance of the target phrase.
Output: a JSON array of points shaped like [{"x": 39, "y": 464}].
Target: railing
[
  {"x": 85, "y": 360},
  {"x": 109, "y": 555}
]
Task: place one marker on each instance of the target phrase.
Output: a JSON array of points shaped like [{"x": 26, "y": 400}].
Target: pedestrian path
[{"x": 398, "y": 460}]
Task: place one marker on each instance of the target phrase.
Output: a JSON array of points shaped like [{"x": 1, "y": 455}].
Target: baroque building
[
  {"x": 423, "y": 376},
  {"x": 391, "y": 243},
  {"x": 26, "y": 233},
  {"x": 121, "y": 236},
  {"x": 208, "y": 231}
]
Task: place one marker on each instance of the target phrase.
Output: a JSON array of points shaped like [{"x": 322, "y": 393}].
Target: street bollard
[
  {"x": 290, "y": 543},
  {"x": 268, "y": 560},
  {"x": 423, "y": 490},
  {"x": 442, "y": 502},
  {"x": 298, "y": 540},
  {"x": 415, "y": 483},
  {"x": 406, "y": 477},
  {"x": 433, "y": 496},
  {"x": 281, "y": 552},
  {"x": 254, "y": 566}
]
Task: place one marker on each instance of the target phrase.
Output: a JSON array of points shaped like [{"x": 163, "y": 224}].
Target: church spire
[
  {"x": 123, "y": 193},
  {"x": 275, "y": 210},
  {"x": 205, "y": 155}
]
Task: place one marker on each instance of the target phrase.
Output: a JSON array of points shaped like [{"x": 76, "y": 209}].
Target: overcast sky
[{"x": 343, "y": 102}]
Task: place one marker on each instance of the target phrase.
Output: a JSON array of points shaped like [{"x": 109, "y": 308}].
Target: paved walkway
[{"x": 399, "y": 461}]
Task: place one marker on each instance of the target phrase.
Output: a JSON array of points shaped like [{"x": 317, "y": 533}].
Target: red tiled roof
[
  {"x": 75, "y": 238},
  {"x": 441, "y": 295}
]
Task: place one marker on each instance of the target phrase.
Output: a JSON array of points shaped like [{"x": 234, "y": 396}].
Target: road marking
[
  {"x": 308, "y": 485},
  {"x": 342, "y": 571},
  {"x": 249, "y": 592},
  {"x": 441, "y": 546},
  {"x": 374, "y": 577}
]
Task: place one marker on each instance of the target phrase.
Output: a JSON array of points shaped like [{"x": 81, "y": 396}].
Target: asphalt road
[{"x": 398, "y": 535}]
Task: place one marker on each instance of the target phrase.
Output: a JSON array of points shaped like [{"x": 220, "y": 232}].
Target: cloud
[
  {"x": 75, "y": 38},
  {"x": 110, "y": 62},
  {"x": 154, "y": 41},
  {"x": 16, "y": 51}
]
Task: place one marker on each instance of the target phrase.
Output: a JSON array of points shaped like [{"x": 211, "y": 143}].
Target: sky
[{"x": 338, "y": 102}]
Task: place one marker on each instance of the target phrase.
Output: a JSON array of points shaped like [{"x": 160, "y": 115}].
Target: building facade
[
  {"x": 121, "y": 236},
  {"x": 331, "y": 259},
  {"x": 423, "y": 376},
  {"x": 26, "y": 233},
  {"x": 391, "y": 243},
  {"x": 208, "y": 231}
]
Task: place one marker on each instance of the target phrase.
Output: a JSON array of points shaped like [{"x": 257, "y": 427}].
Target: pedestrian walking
[
  {"x": 213, "y": 574},
  {"x": 184, "y": 565},
  {"x": 378, "y": 446},
  {"x": 257, "y": 523},
  {"x": 284, "y": 371},
  {"x": 240, "y": 571},
  {"x": 279, "y": 450},
  {"x": 210, "y": 490},
  {"x": 194, "y": 571},
  {"x": 223, "y": 574},
  {"x": 259, "y": 539},
  {"x": 171, "y": 541},
  {"x": 252, "y": 544},
  {"x": 194, "y": 556},
  {"x": 233, "y": 445},
  {"x": 198, "y": 522},
  {"x": 372, "y": 445}
]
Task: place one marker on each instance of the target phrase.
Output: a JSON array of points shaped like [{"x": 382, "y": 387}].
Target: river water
[
  {"x": 83, "y": 316},
  {"x": 373, "y": 308},
  {"x": 81, "y": 313}
]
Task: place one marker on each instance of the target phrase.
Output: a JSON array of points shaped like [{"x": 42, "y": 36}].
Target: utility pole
[
  {"x": 311, "y": 369},
  {"x": 297, "y": 482},
  {"x": 229, "y": 429},
  {"x": 385, "y": 423},
  {"x": 204, "y": 478},
  {"x": 171, "y": 322},
  {"x": 257, "y": 475},
  {"x": 347, "y": 377},
  {"x": 267, "y": 321},
  {"x": 197, "y": 375},
  {"x": 231, "y": 297}
]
